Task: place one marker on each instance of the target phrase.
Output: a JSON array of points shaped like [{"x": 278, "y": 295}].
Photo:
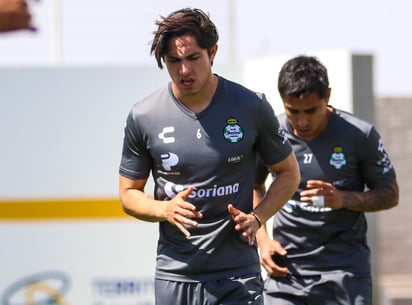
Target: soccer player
[
  {"x": 319, "y": 253},
  {"x": 199, "y": 136}
]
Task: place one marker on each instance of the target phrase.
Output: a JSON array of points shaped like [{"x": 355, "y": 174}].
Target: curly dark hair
[{"x": 184, "y": 21}]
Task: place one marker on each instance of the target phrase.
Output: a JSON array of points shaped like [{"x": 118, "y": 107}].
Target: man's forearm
[{"x": 372, "y": 200}]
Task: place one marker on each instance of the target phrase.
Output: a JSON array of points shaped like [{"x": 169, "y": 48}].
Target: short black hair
[{"x": 303, "y": 75}]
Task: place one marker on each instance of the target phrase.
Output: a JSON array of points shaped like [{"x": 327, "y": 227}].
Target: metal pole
[
  {"x": 56, "y": 41},
  {"x": 232, "y": 31}
]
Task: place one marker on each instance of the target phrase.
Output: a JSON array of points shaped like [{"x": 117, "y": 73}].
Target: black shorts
[
  {"x": 245, "y": 290},
  {"x": 337, "y": 288}
]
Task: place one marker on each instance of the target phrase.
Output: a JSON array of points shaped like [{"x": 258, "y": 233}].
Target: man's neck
[{"x": 198, "y": 102}]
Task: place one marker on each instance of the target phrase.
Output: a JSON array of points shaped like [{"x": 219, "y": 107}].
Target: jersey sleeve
[
  {"x": 135, "y": 160},
  {"x": 272, "y": 143},
  {"x": 376, "y": 167},
  {"x": 261, "y": 171}
]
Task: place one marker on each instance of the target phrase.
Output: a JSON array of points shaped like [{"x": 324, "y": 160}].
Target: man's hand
[
  {"x": 244, "y": 222},
  {"x": 269, "y": 250},
  {"x": 179, "y": 212},
  {"x": 333, "y": 198},
  {"x": 14, "y": 15}
]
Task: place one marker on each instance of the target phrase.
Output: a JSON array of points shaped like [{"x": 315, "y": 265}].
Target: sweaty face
[
  {"x": 189, "y": 66},
  {"x": 307, "y": 116}
]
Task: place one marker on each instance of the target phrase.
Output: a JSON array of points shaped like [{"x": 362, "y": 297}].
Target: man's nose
[{"x": 185, "y": 67}]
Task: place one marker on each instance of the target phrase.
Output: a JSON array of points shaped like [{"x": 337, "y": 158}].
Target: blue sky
[{"x": 106, "y": 32}]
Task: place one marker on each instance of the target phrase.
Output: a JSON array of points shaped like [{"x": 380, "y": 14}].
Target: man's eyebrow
[
  {"x": 196, "y": 53},
  {"x": 311, "y": 109},
  {"x": 304, "y": 110}
]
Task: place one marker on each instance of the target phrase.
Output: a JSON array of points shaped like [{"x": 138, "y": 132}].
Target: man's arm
[
  {"x": 138, "y": 204},
  {"x": 281, "y": 189},
  {"x": 268, "y": 247},
  {"x": 370, "y": 201}
]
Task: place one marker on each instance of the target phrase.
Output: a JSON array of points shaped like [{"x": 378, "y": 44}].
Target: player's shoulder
[
  {"x": 152, "y": 104},
  {"x": 282, "y": 119},
  {"x": 238, "y": 89},
  {"x": 347, "y": 119},
  {"x": 155, "y": 98}
]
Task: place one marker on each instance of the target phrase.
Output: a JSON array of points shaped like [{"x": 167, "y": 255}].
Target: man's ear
[
  {"x": 212, "y": 54},
  {"x": 327, "y": 95}
]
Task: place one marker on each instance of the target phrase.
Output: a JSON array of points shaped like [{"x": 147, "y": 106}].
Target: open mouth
[{"x": 187, "y": 83}]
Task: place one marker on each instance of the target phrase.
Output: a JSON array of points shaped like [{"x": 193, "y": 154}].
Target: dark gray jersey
[
  {"x": 350, "y": 155},
  {"x": 215, "y": 152}
]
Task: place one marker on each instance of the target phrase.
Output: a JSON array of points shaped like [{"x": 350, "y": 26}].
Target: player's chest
[
  {"x": 194, "y": 141},
  {"x": 327, "y": 156}
]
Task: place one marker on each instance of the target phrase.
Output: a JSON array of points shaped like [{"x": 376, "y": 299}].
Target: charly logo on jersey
[
  {"x": 164, "y": 135},
  {"x": 232, "y": 132},
  {"x": 337, "y": 158}
]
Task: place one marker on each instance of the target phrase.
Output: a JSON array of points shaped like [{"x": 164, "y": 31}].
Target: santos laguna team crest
[
  {"x": 337, "y": 158},
  {"x": 233, "y": 133}
]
